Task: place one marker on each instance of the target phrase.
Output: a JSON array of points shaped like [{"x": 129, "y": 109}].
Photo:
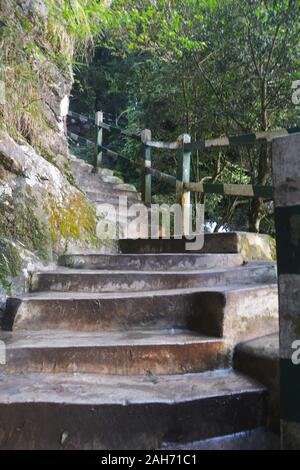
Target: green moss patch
[
  {"x": 10, "y": 264},
  {"x": 74, "y": 220},
  {"x": 21, "y": 220}
]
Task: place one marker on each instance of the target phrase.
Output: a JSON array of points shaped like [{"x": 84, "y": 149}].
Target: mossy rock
[
  {"x": 10, "y": 264},
  {"x": 22, "y": 220},
  {"x": 255, "y": 246},
  {"x": 72, "y": 221}
]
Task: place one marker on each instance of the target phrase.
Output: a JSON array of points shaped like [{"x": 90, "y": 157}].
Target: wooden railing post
[
  {"x": 147, "y": 178},
  {"x": 183, "y": 176},
  {"x": 99, "y": 139}
]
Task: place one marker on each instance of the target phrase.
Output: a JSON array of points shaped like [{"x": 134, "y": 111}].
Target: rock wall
[{"x": 42, "y": 212}]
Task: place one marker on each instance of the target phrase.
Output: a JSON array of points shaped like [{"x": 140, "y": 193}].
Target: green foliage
[
  {"x": 80, "y": 20},
  {"x": 37, "y": 46},
  {"x": 160, "y": 27},
  {"x": 206, "y": 68},
  {"x": 203, "y": 67}
]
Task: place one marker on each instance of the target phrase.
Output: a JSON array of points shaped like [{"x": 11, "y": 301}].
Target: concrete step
[
  {"x": 82, "y": 169},
  {"x": 86, "y": 174},
  {"x": 118, "y": 229},
  {"x": 77, "y": 163},
  {"x": 112, "y": 200},
  {"x": 259, "y": 358},
  {"x": 253, "y": 439},
  {"x": 234, "y": 312},
  {"x": 155, "y": 262},
  {"x": 93, "y": 184},
  {"x": 112, "y": 179},
  {"x": 122, "y": 353},
  {"x": 104, "y": 172},
  {"x": 73, "y": 280},
  {"x": 124, "y": 216},
  {"x": 112, "y": 196},
  {"x": 125, "y": 187},
  {"x": 90, "y": 411},
  {"x": 252, "y": 246}
]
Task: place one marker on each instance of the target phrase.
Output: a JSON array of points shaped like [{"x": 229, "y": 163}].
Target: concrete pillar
[{"x": 286, "y": 180}]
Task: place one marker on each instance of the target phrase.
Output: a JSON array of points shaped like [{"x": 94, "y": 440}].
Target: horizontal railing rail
[
  {"x": 81, "y": 117},
  {"x": 243, "y": 139},
  {"x": 161, "y": 176},
  {"x": 184, "y": 148},
  {"x": 118, "y": 130},
  {"x": 79, "y": 139},
  {"x": 243, "y": 190}
]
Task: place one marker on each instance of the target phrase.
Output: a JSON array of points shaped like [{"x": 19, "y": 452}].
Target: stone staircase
[
  {"x": 104, "y": 190},
  {"x": 133, "y": 350}
]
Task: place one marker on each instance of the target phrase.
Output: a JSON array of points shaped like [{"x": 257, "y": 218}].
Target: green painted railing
[{"x": 184, "y": 148}]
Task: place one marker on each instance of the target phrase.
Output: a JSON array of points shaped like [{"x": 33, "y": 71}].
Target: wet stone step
[
  {"x": 230, "y": 311},
  {"x": 122, "y": 353},
  {"x": 156, "y": 262},
  {"x": 92, "y": 411},
  {"x": 75, "y": 280}
]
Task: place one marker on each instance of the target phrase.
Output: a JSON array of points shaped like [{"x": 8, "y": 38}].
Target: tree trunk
[
  {"x": 255, "y": 216},
  {"x": 257, "y": 206}
]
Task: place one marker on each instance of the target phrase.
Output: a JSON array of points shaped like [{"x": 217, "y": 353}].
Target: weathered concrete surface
[
  {"x": 289, "y": 288},
  {"x": 240, "y": 312},
  {"x": 73, "y": 280},
  {"x": 259, "y": 359},
  {"x": 83, "y": 411},
  {"x": 156, "y": 262},
  {"x": 102, "y": 181},
  {"x": 286, "y": 178},
  {"x": 251, "y": 246},
  {"x": 254, "y": 439},
  {"x": 121, "y": 353},
  {"x": 236, "y": 313},
  {"x": 104, "y": 189},
  {"x": 92, "y": 367},
  {"x": 108, "y": 196}
]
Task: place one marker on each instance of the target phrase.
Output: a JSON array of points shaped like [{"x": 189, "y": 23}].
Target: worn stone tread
[
  {"x": 93, "y": 411},
  {"x": 64, "y": 338},
  {"x": 219, "y": 311},
  {"x": 264, "y": 347},
  {"x": 125, "y": 352},
  {"x": 232, "y": 288},
  {"x": 146, "y": 261},
  {"x": 98, "y": 389},
  {"x": 93, "y": 280},
  {"x": 253, "y": 439}
]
